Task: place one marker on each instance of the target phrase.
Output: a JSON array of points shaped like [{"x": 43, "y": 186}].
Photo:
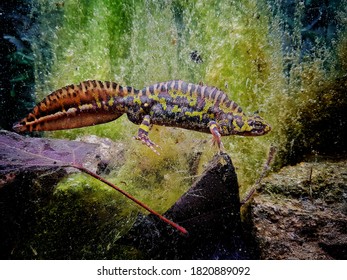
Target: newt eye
[{"x": 257, "y": 125}]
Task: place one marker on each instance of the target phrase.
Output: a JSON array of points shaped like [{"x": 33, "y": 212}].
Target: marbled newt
[{"x": 173, "y": 103}]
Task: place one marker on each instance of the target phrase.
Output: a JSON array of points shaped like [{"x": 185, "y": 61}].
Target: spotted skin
[{"x": 173, "y": 103}]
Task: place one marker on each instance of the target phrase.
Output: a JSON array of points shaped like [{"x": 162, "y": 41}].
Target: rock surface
[{"x": 301, "y": 212}]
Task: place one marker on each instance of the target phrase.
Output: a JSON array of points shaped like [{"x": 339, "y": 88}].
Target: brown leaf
[{"x": 19, "y": 153}]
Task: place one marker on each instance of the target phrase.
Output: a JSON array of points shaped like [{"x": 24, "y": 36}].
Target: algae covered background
[{"x": 284, "y": 59}]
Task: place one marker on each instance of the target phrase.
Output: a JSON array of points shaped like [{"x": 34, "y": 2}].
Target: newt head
[{"x": 249, "y": 126}]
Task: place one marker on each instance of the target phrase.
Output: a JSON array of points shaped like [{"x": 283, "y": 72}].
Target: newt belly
[{"x": 173, "y": 103}]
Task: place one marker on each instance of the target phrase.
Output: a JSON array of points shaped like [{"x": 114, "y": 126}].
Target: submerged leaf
[{"x": 19, "y": 153}]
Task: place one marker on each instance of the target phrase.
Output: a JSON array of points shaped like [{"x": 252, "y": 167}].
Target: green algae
[
  {"x": 249, "y": 50},
  {"x": 241, "y": 45},
  {"x": 160, "y": 52}
]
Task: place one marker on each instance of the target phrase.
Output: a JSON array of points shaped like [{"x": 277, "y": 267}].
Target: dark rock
[
  {"x": 300, "y": 212},
  {"x": 210, "y": 212},
  {"x": 21, "y": 200}
]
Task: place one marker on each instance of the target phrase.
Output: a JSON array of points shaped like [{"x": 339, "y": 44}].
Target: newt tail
[
  {"x": 173, "y": 103},
  {"x": 74, "y": 106}
]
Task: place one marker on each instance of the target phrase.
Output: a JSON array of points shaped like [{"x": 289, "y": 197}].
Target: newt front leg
[
  {"x": 216, "y": 136},
  {"x": 142, "y": 134}
]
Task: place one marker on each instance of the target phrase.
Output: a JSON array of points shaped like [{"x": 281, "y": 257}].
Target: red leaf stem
[{"x": 138, "y": 202}]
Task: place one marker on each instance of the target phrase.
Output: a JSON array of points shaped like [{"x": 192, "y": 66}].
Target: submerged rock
[
  {"x": 301, "y": 212},
  {"x": 210, "y": 212}
]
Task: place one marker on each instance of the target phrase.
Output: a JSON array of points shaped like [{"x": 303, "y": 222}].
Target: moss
[
  {"x": 158, "y": 180},
  {"x": 320, "y": 180}
]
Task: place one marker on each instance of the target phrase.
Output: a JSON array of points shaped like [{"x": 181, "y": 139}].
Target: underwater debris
[{"x": 196, "y": 57}]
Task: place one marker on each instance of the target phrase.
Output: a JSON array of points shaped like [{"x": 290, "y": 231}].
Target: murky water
[{"x": 284, "y": 59}]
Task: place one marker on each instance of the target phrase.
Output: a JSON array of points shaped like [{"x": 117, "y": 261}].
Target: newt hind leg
[{"x": 142, "y": 134}]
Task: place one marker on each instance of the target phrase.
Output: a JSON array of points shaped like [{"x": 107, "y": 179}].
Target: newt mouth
[{"x": 265, "y": 129}]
